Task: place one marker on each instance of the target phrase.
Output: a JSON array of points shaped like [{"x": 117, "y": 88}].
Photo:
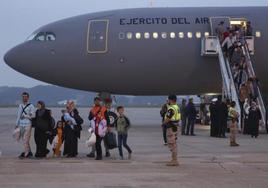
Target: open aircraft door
[{"x": 215, "y": 21}]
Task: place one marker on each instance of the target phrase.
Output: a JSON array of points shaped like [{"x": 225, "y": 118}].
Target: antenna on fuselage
[{"x": 151, "y": 3}]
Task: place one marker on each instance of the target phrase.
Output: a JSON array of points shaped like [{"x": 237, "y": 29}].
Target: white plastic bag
[
  {"x": 91, "y": 140},
  {"x": 55, "y": 142},
  {"x": 16, "y": 134}
]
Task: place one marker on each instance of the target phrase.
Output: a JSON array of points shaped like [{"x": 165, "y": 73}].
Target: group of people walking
[
  {"x": 100, "y": 124},
  {"x": 67, "y": 130}
]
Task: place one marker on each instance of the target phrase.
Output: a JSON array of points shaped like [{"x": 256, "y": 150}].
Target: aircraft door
[
  {"x": 215, "y": 21},
  {"x": 97, "y": 36}
]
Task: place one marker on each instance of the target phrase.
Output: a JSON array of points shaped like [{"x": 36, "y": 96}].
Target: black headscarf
[{"x": 42, "y": 110}]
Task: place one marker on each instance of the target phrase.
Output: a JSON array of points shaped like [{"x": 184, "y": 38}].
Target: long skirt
[
  {"x": 70, "y": 142},
  {"x": 41, "y": 139}
]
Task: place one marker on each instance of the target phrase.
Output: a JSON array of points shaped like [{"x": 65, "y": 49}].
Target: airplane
[{"x": 143, "y": 51}]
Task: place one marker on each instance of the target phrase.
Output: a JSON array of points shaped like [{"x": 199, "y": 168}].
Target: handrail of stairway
[{"x": 252, "y": 72}]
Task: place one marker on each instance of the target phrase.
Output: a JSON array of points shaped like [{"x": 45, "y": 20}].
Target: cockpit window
[
  {"x": 31, "y": 37},
  {"x": 40, "y": 37},
  {"x": 50, "y": 36}
]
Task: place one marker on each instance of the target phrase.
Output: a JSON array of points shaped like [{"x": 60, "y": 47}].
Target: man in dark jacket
[{"x": 191, "y": 117}]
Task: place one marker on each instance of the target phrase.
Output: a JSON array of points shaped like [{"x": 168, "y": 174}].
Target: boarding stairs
[
  {"x": 211, "y": 47},
  {"x": 229, "y": 88}
]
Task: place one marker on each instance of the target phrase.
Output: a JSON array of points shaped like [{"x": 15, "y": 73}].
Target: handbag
[
  {"x": 110, "y": 139},
  {"x": 91, "y": 141}
]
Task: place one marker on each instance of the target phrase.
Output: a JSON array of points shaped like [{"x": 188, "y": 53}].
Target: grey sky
[{"x": 19, "y": 18}]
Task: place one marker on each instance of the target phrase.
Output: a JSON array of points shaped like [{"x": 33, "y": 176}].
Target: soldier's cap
[{"x": 172, "y": 97}]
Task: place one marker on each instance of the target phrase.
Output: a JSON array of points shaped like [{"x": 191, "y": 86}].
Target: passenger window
[
  {"x": 172, "y": 35},
  {"x": 40, "y": 37},
  {"x": 190, "y": 35},
  {"x": 155, "y": 35},
  {"x": 129, "y": 35},
  {"x": 258, "y": 34},
  {"x": 138, "y": 35},
  {"x": 164, "y": 35},
  {"x": 121, "y": 36},
  {"x": 206, "y": 34},
  {"x": 181, "y": 35},
  {"x": 198, "y": 35},
  {"x": 146, "y": 35},
  {"x": 50, "y": 37}
]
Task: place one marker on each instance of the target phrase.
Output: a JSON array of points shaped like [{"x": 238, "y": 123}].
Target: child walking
[
  {"x": 122, "y": 125},
  {"x": 58, "y": 139}
]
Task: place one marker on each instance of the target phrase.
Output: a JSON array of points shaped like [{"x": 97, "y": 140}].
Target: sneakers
[
  {"x": 22, "y": 155},
  {"x": 29, "y": 155},
  {"x": 91, "y": 155},
  {"x": 129, "y": 156}
]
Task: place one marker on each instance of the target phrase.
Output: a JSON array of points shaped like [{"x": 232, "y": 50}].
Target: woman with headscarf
[
  {"x": 43, "y": 124},
  {"x": 72, "y": 129},
  {"x": 254, "y": 118}
]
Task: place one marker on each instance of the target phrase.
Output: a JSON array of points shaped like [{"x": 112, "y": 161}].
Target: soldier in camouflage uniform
[
  {"x": 234, "y": 115},
  {"x": 171, "y": 122}
]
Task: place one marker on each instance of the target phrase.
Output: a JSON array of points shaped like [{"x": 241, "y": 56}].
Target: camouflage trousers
[
  {"x": 233, "y": 132},
  {"x": 172, "y": 141}
]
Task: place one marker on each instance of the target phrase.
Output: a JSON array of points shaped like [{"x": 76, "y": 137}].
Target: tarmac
[{"x": 204, "y": 161}]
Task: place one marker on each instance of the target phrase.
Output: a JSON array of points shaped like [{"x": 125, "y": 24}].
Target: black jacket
[
  {"x": 191, "y": 111},
  {"x": 44, "y": 122}
]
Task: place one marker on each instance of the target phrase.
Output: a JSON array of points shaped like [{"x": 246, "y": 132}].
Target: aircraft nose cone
[
  {"x": 15, "y": 57},
  {"x": 9, "y": 57}
]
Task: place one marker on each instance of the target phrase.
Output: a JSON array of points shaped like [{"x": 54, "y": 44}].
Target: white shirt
[{"x": 24, "y": 118}]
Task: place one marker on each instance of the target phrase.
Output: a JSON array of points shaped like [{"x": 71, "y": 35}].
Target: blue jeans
[{"x": 122, "y": 140}]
